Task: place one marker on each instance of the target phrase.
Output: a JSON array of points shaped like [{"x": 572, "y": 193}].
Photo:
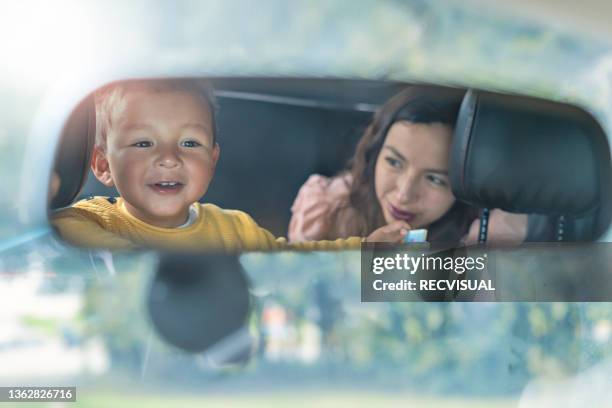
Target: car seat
[{"x": 527, "y": 155}]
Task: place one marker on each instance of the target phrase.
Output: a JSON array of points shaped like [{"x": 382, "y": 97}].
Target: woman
[{"x": 399, "y": 173}]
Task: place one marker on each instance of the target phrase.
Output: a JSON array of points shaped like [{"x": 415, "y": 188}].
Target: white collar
[{"x": 191, "y": 219}]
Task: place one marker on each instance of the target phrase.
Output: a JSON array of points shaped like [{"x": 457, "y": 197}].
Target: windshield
[
  {"x": 308, "y": 335},
  {"x": 78, "y": 317}
]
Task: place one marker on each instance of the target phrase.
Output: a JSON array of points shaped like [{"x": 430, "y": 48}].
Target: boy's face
[{"x": 159, "y": 154}]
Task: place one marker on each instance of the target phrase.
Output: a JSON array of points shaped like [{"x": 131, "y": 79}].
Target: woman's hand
[
  {"x": 504, "y": 229},
  {"x": 315, "y": 207},
  {"x": 394, "y": 232}
]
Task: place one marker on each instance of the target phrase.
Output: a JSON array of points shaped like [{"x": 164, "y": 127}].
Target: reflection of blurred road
[{"x": 36, "y": 340}]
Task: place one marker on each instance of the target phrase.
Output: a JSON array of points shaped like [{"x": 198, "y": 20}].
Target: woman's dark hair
[{"x": 417, "y": 104}]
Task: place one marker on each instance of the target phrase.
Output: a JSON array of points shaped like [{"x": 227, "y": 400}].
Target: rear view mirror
[{"x": 274, "y": 133}]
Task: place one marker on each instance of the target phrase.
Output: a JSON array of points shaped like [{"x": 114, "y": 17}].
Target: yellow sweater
[{"x": 105, "y": 223}]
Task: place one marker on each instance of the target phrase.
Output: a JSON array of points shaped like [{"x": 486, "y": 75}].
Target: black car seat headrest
[
  {"x": 527, "y": 155},
  {"x": 74, "y": 151}
]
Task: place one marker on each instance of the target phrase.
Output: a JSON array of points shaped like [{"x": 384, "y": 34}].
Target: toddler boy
[{"x": 156, "y": 143}]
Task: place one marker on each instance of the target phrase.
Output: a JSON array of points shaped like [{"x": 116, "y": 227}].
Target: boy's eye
[
  {"x": 393, "y": 162},
  {"x": 143, "y": 144},
  {"x": 190, "y": 143},
  {"x": 438, "y": 181}
]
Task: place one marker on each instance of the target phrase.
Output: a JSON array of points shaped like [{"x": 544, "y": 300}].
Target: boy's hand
[{"x": 394, "y": 232}]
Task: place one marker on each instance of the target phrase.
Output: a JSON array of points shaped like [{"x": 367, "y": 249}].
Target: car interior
[{"x": 275, "y": 132}]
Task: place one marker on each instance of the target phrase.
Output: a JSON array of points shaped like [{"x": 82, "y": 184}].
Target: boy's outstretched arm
[
  {"x": 262, "y": 240},
  {"x": 257, "y": 238}
]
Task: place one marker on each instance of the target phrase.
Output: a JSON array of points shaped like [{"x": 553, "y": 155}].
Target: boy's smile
[
  {"x": 167, "y": 187},
  {"x": 160, "y": 155}
]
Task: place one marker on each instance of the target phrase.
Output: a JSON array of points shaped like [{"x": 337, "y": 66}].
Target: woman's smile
[{"x": 399, "y": 214}]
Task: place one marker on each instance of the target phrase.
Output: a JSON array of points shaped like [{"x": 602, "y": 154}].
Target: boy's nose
[
  {"x": 168, "y": 158},
  {"x": 168, "y": 162}
]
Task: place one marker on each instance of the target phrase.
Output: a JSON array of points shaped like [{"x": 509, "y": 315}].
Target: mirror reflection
[{"x": 238, "y": 164}]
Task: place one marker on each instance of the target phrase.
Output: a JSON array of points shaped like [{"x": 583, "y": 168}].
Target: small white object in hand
[{"x": 419, "y": 235}]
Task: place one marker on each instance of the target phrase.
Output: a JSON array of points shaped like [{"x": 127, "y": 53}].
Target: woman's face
[{"x": 411, "y": 173}]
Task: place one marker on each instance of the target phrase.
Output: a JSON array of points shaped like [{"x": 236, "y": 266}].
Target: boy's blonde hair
[{"x": 110, "y": 100}]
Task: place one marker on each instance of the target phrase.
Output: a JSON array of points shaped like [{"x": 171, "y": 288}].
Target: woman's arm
[
  {"x": 504, "y": 228},
  {"x": 513, "y": 229}
]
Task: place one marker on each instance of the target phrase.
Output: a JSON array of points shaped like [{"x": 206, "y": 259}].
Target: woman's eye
[
  {"x": 143, "y": 144},
  {"x": 439, "y": 181},
  {"x": 393, "y": 162},
  {"x": 190, "y": 143}
]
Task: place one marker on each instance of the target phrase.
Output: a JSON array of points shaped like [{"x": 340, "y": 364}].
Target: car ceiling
[{"x": 324, "y": 93}]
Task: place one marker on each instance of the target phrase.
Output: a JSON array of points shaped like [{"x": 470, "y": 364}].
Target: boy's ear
[
  {"x": 215, "y": 155},
  {"x": 100, "y": 167}
]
